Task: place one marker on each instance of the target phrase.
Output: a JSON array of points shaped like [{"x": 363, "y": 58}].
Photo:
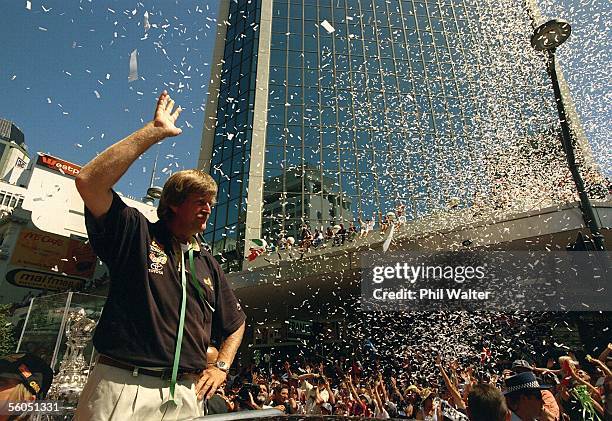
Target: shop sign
[
  {"x": 59, "y": 165},
  {"x": 51, "y": 252},
  {"x": 27, "y": 278}
]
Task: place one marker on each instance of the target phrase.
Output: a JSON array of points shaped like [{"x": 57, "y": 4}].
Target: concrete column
[{"x": 260, "y": 118}]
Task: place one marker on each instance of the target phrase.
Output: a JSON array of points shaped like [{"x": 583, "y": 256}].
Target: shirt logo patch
[
  {"x": 157, "y": 258},
  {"x": 156, "y": 268},
  {"x": 208, "y": 282},
  {"x": 157, "y": 254}
]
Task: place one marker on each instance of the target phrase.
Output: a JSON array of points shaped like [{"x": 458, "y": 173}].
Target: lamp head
[
  {"x": 550, "y": 35},
  {"x": 154, "y": 192}
]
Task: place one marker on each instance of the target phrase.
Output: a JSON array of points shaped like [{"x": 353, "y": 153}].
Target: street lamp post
[{"x": 547, "y": 37}]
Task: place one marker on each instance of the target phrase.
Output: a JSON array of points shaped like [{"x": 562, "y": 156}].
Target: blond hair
[{"x": 179, "y": 186}]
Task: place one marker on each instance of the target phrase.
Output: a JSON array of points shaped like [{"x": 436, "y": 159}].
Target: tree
[{"x": 8, "y": 338}]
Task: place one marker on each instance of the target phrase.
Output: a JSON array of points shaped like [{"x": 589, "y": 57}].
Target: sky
[
  {"x": 65, "y": 66},
  {"x": 65, "y": 70}
]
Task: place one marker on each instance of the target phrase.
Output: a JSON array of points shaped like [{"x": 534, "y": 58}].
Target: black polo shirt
[{"x": 139, "y": 323}]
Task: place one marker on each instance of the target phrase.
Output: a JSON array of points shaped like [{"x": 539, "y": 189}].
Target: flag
[
  {"x": 256, "y": 248},
  {"x": 387, "y": 242}
]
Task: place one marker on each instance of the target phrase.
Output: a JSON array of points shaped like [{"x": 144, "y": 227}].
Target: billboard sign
[
  {"x": 58, "y": 165},
  {"x": 34, "y": 279},
  {"x": 61, "y": 255}
]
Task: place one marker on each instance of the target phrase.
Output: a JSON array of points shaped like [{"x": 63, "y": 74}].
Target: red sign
[{"x": 59, "y": 165}]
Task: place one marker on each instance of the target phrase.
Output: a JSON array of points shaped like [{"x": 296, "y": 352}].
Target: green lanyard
[{"x": 179, "y": 338}]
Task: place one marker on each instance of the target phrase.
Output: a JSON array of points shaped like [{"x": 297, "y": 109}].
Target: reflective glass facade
[
  {"x": 397, "y": 101},
  {"x": 232, "y": 140}
]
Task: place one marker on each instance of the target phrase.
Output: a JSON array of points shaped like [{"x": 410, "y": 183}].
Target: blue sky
[
  {"x": 57, "y": 55},
  {"x": 60, "y": 53}
]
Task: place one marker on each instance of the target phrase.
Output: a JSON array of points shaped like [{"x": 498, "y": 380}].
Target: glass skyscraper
[{"x": 326, "y": 111}]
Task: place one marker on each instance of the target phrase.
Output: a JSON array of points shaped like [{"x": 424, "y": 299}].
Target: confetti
[
  {"x": 146, "y": 25},
  {"x": 328, "y": 27},
  {"x": 133, "y": 66}
]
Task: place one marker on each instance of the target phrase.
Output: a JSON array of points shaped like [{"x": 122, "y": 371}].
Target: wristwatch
[{"x": 222, "y": 365}]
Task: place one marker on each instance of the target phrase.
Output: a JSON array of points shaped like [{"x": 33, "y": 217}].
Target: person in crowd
[
  {"x": 23, "y": 377},
  {"x": 604, "y": 381},
  {"x": 341, "y": 236},
  {"x": 576, "y": 395},
  {"x": 352, "y": 232},
  {"x": 551, "y": 408},
  {"x": 281, "y": 397},
  {"x": 524, "y": 397},
  {"x": 485, "y": 402},
  {"x": 164, "y": 287},
  {"x": 318, "y": 238},
  {"x": 306, "y": 239},
  {"x": 362, "y": 227},
  {"x": 429, "y": 410},
  {"x": 451, "y": 386},
  {"x": 375, "y": 391},
  {"x": 315, "y": 392},
  {"x": 244, "y": 400},
  {"x": 329, "y": 234},
  {"x": 359, "y": 406},
  {"x": 384, "y": 222}
]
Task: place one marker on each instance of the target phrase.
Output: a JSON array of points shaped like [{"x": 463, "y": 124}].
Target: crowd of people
[
  {"x": 565, "y": 388},
  {"x": 339, "y": 234}
]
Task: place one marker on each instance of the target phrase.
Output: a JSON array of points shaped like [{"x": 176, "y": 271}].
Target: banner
[{"x": 51, "y": 252}]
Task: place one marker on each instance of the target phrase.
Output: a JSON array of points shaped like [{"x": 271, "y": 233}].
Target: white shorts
[{"x": 113, "y": 393}]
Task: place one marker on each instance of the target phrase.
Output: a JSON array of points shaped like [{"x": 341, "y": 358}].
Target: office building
[{"x": 323, "y": 111}]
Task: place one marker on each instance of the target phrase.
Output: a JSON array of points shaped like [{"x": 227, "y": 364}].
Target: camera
[{"x": 243, "y": 393}]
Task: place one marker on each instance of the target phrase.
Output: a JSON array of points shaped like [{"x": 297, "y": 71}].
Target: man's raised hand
[{"x": 165, "y": 119}]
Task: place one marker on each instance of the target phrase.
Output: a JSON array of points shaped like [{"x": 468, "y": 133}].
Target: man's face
[
  {"x": 194, "y": 211},
  {"x": 284, "y": 394},
  {"x": 263, "y": 391},
  {"x": 531, "y": 403}
]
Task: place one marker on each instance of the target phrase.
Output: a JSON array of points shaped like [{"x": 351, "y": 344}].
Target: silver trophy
[{"x": 70, "y": 380}]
